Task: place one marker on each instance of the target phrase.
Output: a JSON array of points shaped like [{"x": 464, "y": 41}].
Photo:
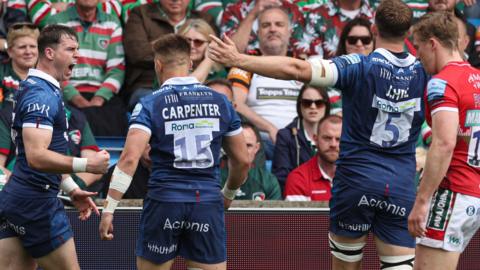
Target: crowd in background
[{"x": 286, "y": 124}]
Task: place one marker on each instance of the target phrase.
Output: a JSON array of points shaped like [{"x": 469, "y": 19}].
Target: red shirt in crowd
[{"x": 308, "y": 182}]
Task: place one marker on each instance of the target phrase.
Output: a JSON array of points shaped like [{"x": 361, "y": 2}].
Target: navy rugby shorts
[
  {"x": 354, "y": 213},
  {"x": 195, "y": 231},
  {"x": 41, "y": 224}
]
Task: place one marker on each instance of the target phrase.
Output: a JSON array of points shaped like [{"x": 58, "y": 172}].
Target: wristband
[
  {"x": 109, "y": 205},
  {"x": 120, "y": 180},
  {"x": 68, "y": 185},
  {"x": 229, "y": 193},
  {"x": 79, "y": 164},
  {"x": 5, "y": 45}
]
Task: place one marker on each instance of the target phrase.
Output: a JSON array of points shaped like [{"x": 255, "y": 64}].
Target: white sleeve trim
[
  {"x": 297, "y": 198},
  {"x": 141, "y": 127},
  {"x": 34, "y": 125},
  {"x": 234, "y": 132},
  {"x": 448, "y": 109}
]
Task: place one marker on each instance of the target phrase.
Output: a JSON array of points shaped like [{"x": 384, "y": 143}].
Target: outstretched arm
[{"x": 280, "y": 67}]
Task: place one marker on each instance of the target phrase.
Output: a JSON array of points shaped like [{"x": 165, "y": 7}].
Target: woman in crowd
[
  {"x": 23, "y": 53},
  {"x": 356, "y": 37},
  {"x": 295, "y": 143},
  {"x": 197, "y": 32}
]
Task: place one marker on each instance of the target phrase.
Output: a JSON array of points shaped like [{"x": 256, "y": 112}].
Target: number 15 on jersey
[{"x": 191, "y": 142}]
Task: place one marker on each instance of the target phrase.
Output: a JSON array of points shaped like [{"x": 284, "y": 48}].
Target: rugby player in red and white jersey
[{"x": 445, "y": 215}]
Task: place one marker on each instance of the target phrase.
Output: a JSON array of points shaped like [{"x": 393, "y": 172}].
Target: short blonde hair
[
  {"x": 20, "y": 30},
  {"x": 440, "y": 25},
  {"x": 199, "y": 25}
]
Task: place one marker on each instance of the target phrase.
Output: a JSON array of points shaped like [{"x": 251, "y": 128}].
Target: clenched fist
[{"x": 98, "y": 163}]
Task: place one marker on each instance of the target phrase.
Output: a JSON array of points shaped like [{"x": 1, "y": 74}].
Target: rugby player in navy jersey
[
  {"x": 34, "y": 227},
  {"x": 374, "y": 188},
  {"x": 186, "y": 124}
]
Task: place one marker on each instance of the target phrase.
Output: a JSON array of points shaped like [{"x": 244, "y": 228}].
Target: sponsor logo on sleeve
[
  {"x": 136, "y": 111},
  {"x": 436, "y": 89}
]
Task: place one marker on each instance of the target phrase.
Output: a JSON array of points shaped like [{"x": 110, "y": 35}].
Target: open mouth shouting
[{"x": 69, "y": 71}]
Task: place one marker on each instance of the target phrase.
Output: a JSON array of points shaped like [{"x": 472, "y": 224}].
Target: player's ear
[
  {"x": 49, "y": 53},
  {"x": 432, "y": 43},
  {"x": 158, "y": 65}
]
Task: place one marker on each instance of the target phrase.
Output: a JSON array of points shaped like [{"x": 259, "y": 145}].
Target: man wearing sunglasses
[{"x": 374, "y": 187}]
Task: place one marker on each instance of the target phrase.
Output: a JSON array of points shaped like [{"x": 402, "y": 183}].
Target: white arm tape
[
  {"x": 229, "y": 193},
  {"x": 79, "y": 164},
  {"x": 120, "y": 180},
  {"x": 324, "y": 72},
  {"x": 109, "y": 205},
  {"x": 68, "y": 185}
]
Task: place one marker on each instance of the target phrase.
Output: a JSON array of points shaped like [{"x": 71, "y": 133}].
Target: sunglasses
[
  {"x": 307, "y": 103},
  {"x": 18, "y": 26},
  {"x": 352, "y": 40},
  {"x": 196, "y": 42}
]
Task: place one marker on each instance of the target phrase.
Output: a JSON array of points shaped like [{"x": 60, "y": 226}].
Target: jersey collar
[
  {"x": 181, "y": 81},
  {"x": 394, "y": 60},
  {"x": 47, "y": 77}
]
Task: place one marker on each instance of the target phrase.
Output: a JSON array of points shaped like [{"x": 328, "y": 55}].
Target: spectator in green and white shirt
[{"x": 100, "y": 70}]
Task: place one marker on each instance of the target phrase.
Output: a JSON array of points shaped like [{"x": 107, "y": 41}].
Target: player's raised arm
[
  {"x": 238, "y": 166},
  {"x": 135, "y": 144},
  {"x": 280, "y": 67}
]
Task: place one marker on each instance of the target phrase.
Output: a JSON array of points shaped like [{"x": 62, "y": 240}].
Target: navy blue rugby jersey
[
  {"x": 38, "y": 104},
  {"x": 383, "y": 111},
  {"x": 187, "y": 122}
]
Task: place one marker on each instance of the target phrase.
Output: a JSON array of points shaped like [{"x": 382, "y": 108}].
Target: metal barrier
[{"x": 259, "y": 237}]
